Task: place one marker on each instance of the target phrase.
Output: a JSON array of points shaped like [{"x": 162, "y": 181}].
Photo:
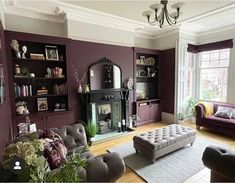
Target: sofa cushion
[
  {"x": 224, "y": 112},
  {"x": 54, "y": 148},
  {"x": 72, "y": 135},
  {"x": 213, "y": 120}
]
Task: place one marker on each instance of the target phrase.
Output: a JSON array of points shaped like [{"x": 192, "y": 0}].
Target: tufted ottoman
[{"x": 155, "y": 144}]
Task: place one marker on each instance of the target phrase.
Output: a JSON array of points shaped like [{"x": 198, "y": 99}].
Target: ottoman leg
[
  {"x": 136, "y": 151},
  {"x": 192, "y": 143}
]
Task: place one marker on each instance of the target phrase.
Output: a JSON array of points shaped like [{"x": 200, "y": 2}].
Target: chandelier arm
[
  {"x": 177, "y": 16},
  {"x": 170, "y": 20},
  {"x": 151, "y": 23},
  {"x": 161, "y": 22},
  {"x": 161, "y": 15}
]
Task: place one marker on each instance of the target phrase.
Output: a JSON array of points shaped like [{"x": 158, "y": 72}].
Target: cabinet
[
  {"x": 146, "y": 77},
  {"x": 45, "y": 121},
  {"x": 148, "y": 111},
  {"x": 38, "y": 78}
]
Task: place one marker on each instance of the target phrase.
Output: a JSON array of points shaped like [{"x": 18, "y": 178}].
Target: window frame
[{"x": 198, "y": 74}]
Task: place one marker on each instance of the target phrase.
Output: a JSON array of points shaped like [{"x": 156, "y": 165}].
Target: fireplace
[
  {"x": 107, "y": 103},
  {"x": 106, "y": 107}
]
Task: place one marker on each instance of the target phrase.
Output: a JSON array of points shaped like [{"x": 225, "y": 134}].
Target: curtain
[{"x": 210, "y": 46}]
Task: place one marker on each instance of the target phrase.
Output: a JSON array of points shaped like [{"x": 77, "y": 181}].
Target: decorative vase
[{"x": 80, "y": 88}]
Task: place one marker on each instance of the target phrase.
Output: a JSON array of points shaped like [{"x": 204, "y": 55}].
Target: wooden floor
[{"x": 201, "y": 177}]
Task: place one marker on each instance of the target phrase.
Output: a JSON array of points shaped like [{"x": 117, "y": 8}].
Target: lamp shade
[
  {"x": 156, "y": 6},
  {"x": 147, "y": 13}
]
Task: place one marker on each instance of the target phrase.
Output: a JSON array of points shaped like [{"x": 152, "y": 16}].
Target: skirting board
[{"x": 168, "y": 118}]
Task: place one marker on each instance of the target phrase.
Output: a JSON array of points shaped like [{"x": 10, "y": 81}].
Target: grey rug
[{"x": 175, "y": 167}]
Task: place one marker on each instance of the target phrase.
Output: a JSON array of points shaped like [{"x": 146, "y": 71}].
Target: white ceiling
[
  {"x": 197, "y": 15},
  {"x": 134, "y": 9}
]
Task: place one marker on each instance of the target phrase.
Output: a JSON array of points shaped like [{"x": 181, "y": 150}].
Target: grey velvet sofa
[
  {"x": 104, "y": 168},
  {"x": 221, "y": 162}
]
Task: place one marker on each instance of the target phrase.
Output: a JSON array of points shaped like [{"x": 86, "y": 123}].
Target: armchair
[{"x": 221, "y": 162}]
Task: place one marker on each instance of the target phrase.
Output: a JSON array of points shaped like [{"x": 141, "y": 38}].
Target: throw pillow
[
  {"x": 224, "y": 112},
  {"x": 54, "y": 149},
  {"x": 233, "y": 113}
]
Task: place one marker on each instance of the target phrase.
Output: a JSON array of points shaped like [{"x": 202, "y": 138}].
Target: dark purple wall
[
  {"x": 167, "y": 80},
  {"x": 5, "y": 115},
  {"x": 82, "y": 54}
]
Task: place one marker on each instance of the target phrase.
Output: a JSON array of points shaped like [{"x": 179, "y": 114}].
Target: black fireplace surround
[{"x": 118, "y": 99}]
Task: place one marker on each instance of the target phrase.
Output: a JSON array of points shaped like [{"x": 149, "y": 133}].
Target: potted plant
[
  {"x": 91, "y": 131},
  {"x": 192, "y": 102}
]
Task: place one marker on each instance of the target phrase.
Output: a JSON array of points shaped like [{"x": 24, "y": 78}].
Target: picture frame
[
  {"x": 42, "y": 104},
  {"x": 51, "y": 53},
  {"x": 142, "y": 60}
]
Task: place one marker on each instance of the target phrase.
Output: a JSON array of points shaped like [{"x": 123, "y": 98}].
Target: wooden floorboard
[{"x": 130, "y": 176}]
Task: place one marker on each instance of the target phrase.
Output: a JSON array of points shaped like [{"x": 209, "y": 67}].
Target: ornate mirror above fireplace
[{"x": 104, "y": 74}]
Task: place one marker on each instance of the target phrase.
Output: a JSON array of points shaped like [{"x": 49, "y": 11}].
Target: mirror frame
[{"x": 104, "y": 61}]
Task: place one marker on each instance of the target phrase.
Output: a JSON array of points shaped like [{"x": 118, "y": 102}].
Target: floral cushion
[
  {"x": 54, "y": 149},
  {"x": 224, "y": 112}
]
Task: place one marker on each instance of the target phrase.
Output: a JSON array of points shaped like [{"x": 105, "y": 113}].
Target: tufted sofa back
[{"x": 72, "y": 135}]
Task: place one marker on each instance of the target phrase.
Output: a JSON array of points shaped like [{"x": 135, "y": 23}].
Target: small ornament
[
  {"x": 24, "y": 49},
  {"x": 17, "y": 69},
  {"x": 15, "y": 46},
  {"x": 80, "y": 88},
  {"x": 57, "y": 105}
]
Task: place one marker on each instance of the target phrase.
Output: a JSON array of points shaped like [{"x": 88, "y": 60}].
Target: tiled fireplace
[{"x": 106, "y": 107}]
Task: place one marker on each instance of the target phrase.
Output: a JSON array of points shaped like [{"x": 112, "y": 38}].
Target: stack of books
[{"x": 42, "y": 92}]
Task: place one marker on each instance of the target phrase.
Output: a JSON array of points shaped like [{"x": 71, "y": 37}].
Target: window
[{"x": 213, "y": 71}]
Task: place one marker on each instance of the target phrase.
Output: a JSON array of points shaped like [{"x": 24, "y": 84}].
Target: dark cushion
[
  {"x": 54, "y": 149},
  {"x": 213, "y": 120}
]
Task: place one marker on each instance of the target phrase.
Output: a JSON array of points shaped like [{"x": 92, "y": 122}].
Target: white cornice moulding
[
  {"x": 87, "y": 39},
  {"x": 34, "y": 15},
  {"x": 204, "y": 15},
  {"x": 167, "y": 33},
  {"x": 97, "y": 17}
]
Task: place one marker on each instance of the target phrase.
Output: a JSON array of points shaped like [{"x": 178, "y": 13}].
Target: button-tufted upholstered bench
[{"x": 157, "y": 143}]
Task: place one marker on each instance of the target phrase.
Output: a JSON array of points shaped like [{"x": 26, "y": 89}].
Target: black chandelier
[{"x": 164, "y": 14}]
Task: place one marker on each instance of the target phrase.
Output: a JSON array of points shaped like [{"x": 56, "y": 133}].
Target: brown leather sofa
[
  {"x": 104, "y": 168},
  {"x": 221, "y": 162}
]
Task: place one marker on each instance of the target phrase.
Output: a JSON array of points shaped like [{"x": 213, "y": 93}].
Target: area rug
[{"x": 175, "y": 167}]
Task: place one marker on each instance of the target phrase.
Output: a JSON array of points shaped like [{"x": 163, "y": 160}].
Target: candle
[
  {"x": 123, "y": 122},
  {"x": 119, "y": 124}
]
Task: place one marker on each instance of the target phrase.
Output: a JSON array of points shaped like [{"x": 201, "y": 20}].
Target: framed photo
[
  {"x": 142, "y": 60},
  {"x": 51, "y": 53},
  {"x": 42, "y": 104}
]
